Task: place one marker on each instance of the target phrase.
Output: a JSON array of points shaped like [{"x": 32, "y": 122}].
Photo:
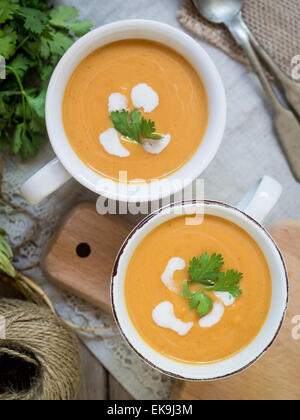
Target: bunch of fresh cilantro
[{"x": 33, "y": 37}]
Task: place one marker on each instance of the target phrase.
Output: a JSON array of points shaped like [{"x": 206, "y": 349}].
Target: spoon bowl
[{"x": 219, "y": 11}]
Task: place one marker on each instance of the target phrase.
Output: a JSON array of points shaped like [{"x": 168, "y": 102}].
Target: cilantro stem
[
  {"x": 22, "y": 43},
  {"x": 10, "y": 93},
  {"x": 14, "y": 92},
  {"x": 21, "y": 91}
]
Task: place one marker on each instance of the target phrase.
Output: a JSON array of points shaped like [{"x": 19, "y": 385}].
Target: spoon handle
[
  {"x": 240, "y": 34},
  {"x": 291, "y": 88},
  {"x": 286, "y": 124}
]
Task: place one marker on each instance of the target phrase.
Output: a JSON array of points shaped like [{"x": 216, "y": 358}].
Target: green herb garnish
[
  {"x": 228, "y": 282},
  {"x": 206, "y": 270},
  {"x": 33, "y": 37},
  {"x": 134, "y": 126},
  {"x": 198, "y": 300},
  {"x": 202, "y": 302},
  {"x": 186, "y": 292},
  {"x": 148, "y": 130}
]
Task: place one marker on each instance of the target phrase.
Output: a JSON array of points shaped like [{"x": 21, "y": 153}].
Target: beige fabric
[{"x": 275, "y": 23}]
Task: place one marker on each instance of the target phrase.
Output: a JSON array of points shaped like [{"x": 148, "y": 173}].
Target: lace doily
[{"x": 138, "y": 378}]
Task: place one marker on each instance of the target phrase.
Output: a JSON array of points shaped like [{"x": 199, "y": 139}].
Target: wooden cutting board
[
  {"x": 276, "y": 376},
  {"x": 80, "y": 256}
]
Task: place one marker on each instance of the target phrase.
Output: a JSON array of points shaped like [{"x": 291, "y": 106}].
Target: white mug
[
  {"x": 67, "y": 164},
  {"x": 249, "y": 215}
]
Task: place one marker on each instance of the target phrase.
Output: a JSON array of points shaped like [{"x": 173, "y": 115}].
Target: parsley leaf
[
  {"x": 25, "y": 143},
  {"x": 60, "y": 43},
  {"x": 228, "y": 282},
  {"x": 128, "y": 125},
  {"x": 186, "y": 293},
  {"x": 29, "y": 145},
  {"x": 37, "y": 125},
  {"x": 133, "y": 125},
  {"x": 38, "y": 103},
  {"x": 46, "y": 71},
  {"x": 61, "y": 18},
  {"x": 16, "y": 143},
  {"x": 8, "y": 41},
  {"x": 35, "y": 20},
  {"x": 205, "y": 304},
  {"x": 148, "y": 129},
  {"x": 206, "y": 269},
  {"x": 7, "y": 9},
  {"x": 54, "y": 46},
  {"x": 198, "y": 300},
  {"x": 136, "y": 125},
  {"x": 21, "y": 64}
]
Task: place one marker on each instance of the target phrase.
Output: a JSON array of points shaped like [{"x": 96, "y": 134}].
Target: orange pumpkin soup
[
  {"x": 132, "y": 72},
  {"x": 238, "y": 323}
]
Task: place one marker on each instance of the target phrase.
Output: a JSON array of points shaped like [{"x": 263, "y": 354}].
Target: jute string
[
  {"x": 47, "y": 349},
  {"x": 39, "y": 358}
]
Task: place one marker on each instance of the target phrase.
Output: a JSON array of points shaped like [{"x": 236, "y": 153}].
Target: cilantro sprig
[
  {"x": 206, "y": 270},
  {"x": 134, "y": 126},
  {"x": 33, "y": 37},
  {"x": 228, "y": 282},
  {"x": 198, "y": 300}
]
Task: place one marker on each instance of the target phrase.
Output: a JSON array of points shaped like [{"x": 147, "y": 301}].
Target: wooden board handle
[{"x": 80, "y": 256}]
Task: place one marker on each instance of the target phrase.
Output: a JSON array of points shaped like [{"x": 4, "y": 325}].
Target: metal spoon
[{"x": 286, "y": 124}]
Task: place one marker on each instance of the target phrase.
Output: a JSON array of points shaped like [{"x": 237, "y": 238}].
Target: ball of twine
[{"x": 39, "y": 357}]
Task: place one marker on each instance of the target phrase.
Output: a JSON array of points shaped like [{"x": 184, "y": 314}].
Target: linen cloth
[
  {"x": 249, "y": 151},
  {"x": 275, "y": 24}
]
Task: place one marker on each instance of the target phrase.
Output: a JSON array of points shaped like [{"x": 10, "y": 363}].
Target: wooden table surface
[{"x": 97, "y": 384}]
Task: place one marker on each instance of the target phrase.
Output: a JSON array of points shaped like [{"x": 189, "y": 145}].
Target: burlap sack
[{"x": 275, "y": 23}]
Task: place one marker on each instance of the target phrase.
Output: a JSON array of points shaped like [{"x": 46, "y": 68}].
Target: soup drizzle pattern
[
  {"x": 163, "y": 314},
  {"x": 143, "y": 96}
]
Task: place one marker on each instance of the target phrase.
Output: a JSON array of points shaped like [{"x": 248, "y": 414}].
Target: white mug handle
[
  {"x": 47, "y": 180},
  {"x": 261, "y": 199}
]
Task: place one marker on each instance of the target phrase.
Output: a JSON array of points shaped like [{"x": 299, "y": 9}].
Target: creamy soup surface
[
  {"x": 119, "y": 68},
  {"x": 229, "y": 329}
]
